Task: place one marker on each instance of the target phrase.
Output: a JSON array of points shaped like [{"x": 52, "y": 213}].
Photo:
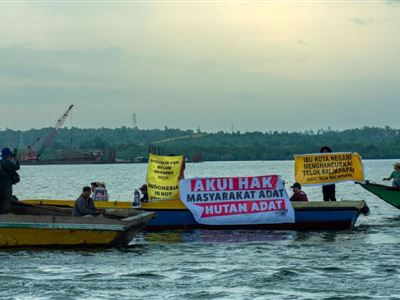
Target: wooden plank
[
  {"x": 68, "y": 226},
  {"x": 329, "y": 204},
  {"x": 142, "y": 218},
  {"x": 66, "y": 219}
]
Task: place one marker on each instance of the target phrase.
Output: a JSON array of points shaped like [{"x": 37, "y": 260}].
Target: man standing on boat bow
[{"x": 84, "y": 205}]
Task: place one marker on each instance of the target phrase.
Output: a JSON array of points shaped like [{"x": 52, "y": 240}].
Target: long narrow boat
[
  {"x": 55, "y": 228},
  {"x": 388, "y": 194},
  {"x": 314, "y": 215},
  {"x": 172, "y": 214}
]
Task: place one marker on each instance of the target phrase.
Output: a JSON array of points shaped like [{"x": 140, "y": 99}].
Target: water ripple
[{"x": 201, "y": 264}]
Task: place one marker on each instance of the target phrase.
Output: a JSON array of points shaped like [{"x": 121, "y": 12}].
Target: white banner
[{"x": 237, "y": 200}]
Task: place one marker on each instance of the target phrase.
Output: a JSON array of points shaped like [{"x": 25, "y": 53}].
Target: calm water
[{"x": 355, "y": 264}]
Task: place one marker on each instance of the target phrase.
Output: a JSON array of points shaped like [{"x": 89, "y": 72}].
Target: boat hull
[
  {"x": 20, "y": 237},
  {"x": 388, "y": 194},
  {"x": 313, "y": 215},
  {"x": 312, "y": 219},
  {"x": 32, "y": 230}
]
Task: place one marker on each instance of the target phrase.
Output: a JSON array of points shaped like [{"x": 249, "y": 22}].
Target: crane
[
  {"x": 32, "y": 155},
  {"x": 53, "y": 132}
]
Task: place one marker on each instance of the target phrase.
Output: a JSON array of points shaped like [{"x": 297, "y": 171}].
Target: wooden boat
[
  {"x": 315, "y": 215},
  {"x": 388, "y": 194},
  {"x": 54, "y": 227},
  {"x": 172, "y": 214}
]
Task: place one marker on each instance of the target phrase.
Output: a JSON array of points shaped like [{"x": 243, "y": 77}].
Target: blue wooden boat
[
  {"x": 172, "y": 214},
  {"x": 314, "y": 215}
]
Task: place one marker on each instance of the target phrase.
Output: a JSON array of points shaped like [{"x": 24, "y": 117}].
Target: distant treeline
[{"x": 370, "y": 142}]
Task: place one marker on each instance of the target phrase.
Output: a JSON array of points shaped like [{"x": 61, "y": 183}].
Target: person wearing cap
[
  {"x": 298, "y": 194},
  {"x": 328, "y": 191},
  {"x": 8, "y": 176},
  {"x": 84, "y": 205},
  {"x": 395, "y": 176}
]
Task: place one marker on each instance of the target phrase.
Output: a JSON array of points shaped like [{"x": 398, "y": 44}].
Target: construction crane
[
  {"x": 32, "y": 154},
  {"x": 53, "y": 132}
]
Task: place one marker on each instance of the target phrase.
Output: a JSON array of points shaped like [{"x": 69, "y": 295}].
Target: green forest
[{"x": 131, "y": 143}]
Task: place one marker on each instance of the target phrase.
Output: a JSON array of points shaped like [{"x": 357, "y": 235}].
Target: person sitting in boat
[
  {"x": 395, "y": 176},
  {"x": 298, "y": 194},
  {"x": 84, "y": 205},
  {"x": 99, "y": 191}
]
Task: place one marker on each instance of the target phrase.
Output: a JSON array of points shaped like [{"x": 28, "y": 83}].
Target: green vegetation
[{"x": 370, "y": 142}]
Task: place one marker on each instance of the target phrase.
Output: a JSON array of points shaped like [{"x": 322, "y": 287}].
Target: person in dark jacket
[
  {"x": 328, "y": 191},
  {"x": 8, "y": 167},
  {"x": 145, "y": 196},
  {"x": 84, "y": 205}
]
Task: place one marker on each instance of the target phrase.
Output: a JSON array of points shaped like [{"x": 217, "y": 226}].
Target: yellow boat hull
[
  {"x": 61, "y": 230},
  {"x": 12, "y": 237}
]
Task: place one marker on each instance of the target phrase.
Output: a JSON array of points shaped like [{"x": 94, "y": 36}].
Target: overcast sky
[{"x": 263, "y": 66}]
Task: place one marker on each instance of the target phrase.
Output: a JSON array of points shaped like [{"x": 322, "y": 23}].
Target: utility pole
[
  {"x": 9, "y": 138},
  {"x": 134, "y": 123}
]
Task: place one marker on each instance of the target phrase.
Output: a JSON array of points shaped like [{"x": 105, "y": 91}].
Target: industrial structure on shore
[{"x": 33, "y": 153}]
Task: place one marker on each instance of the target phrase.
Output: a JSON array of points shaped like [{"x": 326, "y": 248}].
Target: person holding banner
[
  {"x": 140, "y": 195},
  {"x": 328, "y": 191}
]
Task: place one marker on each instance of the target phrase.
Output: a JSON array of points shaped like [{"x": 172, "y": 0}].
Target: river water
[{"x": 361, "y": 263}]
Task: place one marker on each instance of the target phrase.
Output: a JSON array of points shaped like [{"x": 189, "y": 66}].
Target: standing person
[
  {"x": 328, "y": 191},
  {"x": 8, "y": 176},
  {"x": 182, "y": 170},
  {"x": 298, "y": 194},
  {"x": 395, "y": 176},
  {"x": 99, "y": 191},
  {"x": 145, "y": 196},
  {"x": 84, "y": 205},
  {"x": 93, "y": 186},
  {"x": 140, "y": 195}
]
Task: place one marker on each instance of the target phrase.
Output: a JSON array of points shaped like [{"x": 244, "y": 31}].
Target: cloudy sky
[{"x": 260, "y": 65}]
